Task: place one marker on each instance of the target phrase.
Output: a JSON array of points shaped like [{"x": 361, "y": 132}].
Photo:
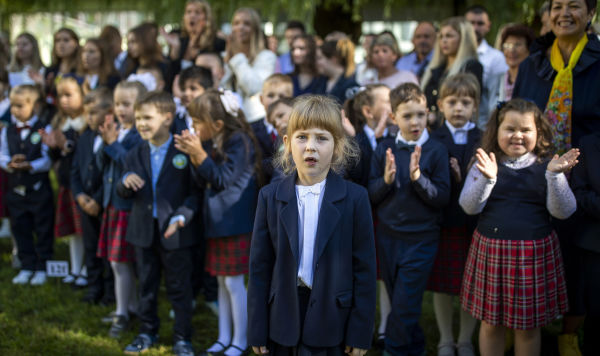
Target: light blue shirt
[
  {"x": 411, "y": 63},
  {"x": 157, "y": 158},
  {"x": 285, "y": 63}
]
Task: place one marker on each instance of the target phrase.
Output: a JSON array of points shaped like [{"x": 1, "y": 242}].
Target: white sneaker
[
  {"x": 23, "y": 277},
  {"x": 39, "y": 278},
  {"x": 81, "y": 281},
  {"x": 69, "y": 279},
  {"x": 5, "y": 228}
]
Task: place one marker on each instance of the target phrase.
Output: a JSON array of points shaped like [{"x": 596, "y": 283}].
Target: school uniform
[
  {"x": 311, "y": 288},
  {"x": 68, "y": 216},
  {"x": 181, "y": 122},
  {"x": 86, "y": 178},
  {"x": 268, "y": 141},
  {"x": 457, "y": 227},
  {"x": 29, "y": 194},
  {"x": 409, "y": 215},
  {"x": 167, "y": 195},
  {"x": 111, "y": 160},
  {"x": 230, "y": 191}
]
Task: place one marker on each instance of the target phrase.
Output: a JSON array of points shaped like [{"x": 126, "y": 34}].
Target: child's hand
[
  {"x": 389, "y": 174},
  {"x": 134, "y": 182},
  {"x": 565, "y": 162},
  {"x": 172, "y": 229},
  {"x": 413, "y": 166},
  {"x": 191, "y": 144},
  {"x": 487, "y": 165},
  {"x": 92, "y": 208},
  {"x": 20, "y": 165},
  {"x": 382, "y": 124},
  {"x": 108, "y": 130},
  {"x": 348, "y": 128},
  {"x": 455, "y": 169},
  {"x": 48, "y": 139},
  {"x": 260, "y": 350},
  {"x": 353, "y": 351},
  {"x": 82, "y": 200}
]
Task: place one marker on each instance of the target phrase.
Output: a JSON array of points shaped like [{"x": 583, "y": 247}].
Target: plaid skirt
[
  {"x": 449, "y": 265},
  {"x": 68, "y": 217},
  {"x": 3, "y": 186},
  {"x": 228, "y": 256},
  {"x": 516, "y": 284},
  {"x": 112, "y": 244}
]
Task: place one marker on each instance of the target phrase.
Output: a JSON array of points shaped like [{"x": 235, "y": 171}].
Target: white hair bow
[
  {"x": 147, "y": 79},
  {"x": 230, "y": 103}
]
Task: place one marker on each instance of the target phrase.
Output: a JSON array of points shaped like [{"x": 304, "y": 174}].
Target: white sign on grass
[{"x": 57, "y": 268}]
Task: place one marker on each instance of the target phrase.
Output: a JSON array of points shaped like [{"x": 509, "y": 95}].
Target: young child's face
[
  {"x": 280, "y": 118},
  {"x": 517, "y": 133},
  {"x": 124, "y": 102},
  {"x": 207, "y": 128},
  {"x": 383, "y": 57},
  {"x": 381, "y": 108},
  {"x": 411, "y": 118},
  {"x": 458, "y": 110},
  {"x": 22, "y": 106},
  {"x": 273, "y": 92},
  {"x": 70, "y": 98},
  {"x": 94, "y": 115},
  {"x": 209, "y": 60},
  {"x": 312, "y": 152},
  {"x": 191, "y": 90},
  {"x": 152, "y": 124}
]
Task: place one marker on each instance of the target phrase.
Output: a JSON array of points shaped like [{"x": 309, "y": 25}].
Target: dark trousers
[
  {"x": 29, "y": 214},
  {"x": 202, "y": 281},
  {"x": 301, "y": 349},
  {"x": 178, "y": 268},
  {"x": 406, "y": 261},
  {"x": 100, "y": 278}
]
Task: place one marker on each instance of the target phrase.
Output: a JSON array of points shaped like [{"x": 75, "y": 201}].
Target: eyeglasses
[{"x": 511, "y": 46}]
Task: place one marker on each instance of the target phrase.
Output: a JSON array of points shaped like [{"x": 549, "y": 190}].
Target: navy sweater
[{"x": 405, "y": 206}]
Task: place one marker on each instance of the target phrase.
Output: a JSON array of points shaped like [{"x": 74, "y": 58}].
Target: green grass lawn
[{"x": 51, "y": 320}]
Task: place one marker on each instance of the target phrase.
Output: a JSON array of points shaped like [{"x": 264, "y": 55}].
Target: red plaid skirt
[
  {"x": 68, "y": 216},
  {"x": 112, "y": 244},
  {"x": 3, "y": 186},
  {"x": 449, "y": 265},
  {"x": 228, "y": 256},
  {"x": 517, "y": 284}
]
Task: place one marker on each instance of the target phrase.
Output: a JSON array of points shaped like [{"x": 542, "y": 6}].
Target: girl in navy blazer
[
  {"x": 118, "y": 140},
  {"x": 312, "y": 259},
  {"x": 228, "y": 170}
]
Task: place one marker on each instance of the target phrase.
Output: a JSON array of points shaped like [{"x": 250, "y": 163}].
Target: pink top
[{"x": 400, "y": 77}]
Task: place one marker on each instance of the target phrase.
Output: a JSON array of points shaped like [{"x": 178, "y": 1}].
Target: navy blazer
[
  {"x": 536, "y": 77},
  {"x": 585, "y": 181},
  {"x": 359, "y": 172},
  {"x": 175, "y": 195},
  {"x": 86, "y": 177},
  {"x": 454, "y": 215},
  {"x": 341, "y": 310},
  {"x": 112, "y": 163},
  {"x": 230, "y": 189}
]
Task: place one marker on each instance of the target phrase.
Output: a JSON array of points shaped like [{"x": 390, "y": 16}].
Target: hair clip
[
  {"x": 500, "y": 105},
  {"x": 146, "y": 79},
  {"x": 353, "y": 91},
  {"x": 230, "y": 103}
]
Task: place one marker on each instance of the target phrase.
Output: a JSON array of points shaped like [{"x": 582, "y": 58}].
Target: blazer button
[
  {"x": 317, "y": 266},
  {"x": 110, "y": 180},
  {"x": 434, "y": 92},
  {"x": 149, "y": 207},
  {"x": 495, "y": 230}
]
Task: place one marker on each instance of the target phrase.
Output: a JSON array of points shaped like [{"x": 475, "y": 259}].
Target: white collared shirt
[
  {"x": 420, "y": 142},
  {"x": 97, "y": 143},
  {"x": 309, "y": 199},
  {"x": 371, "y": 135},
  {"x": 122, "y": 133},
  {"x": 460, "y": 134},
  {"x": 25, "y": 132}
]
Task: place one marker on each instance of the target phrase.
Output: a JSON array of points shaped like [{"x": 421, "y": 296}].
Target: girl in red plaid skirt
[
  {"x": 118, "y": 138},
  {"x": 228, "y": 172},
  {"x": 67, "y": 125},
  {"x": 514, "y": 276},
  {"x": 459, "y": 99}
]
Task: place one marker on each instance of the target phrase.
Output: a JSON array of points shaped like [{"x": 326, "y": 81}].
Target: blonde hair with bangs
[
  {"x": 315, "y": 111},
  {"x": 467, "y": 48}
]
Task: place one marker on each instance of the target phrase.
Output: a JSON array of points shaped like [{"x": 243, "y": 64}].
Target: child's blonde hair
[
  {"x": 321, "y": 112},
  {"x": 32, "y": 92},
  {"x": 278, "y": 79}
]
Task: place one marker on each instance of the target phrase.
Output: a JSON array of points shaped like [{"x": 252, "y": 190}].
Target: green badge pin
[
  {"x": 180, "y": 161},
  {"x": 35, "y": 138}
]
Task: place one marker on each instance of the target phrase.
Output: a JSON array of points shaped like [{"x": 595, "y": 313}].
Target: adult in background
[
  {"x": 293, "y": 29},
  {"x": 305, "y": 77},
  {"x": 490, "y": 58},
  {"x": 385, "y": 54},
  {"x": 65, "y": 60},
  {"x": 423, "y": 40},
  {"x": 111, "y": 36},
  {"x": 455, "y": 52},
  {"x": 198, "y": 35},
  {"x": 335, "y": 60},
  {"x": 562, "y": 76},
  {"x": 514, "y": 42},
  {"x": 247, "y": 62}
]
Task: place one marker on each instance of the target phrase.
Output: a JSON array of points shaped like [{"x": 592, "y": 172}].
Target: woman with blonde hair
[
  {"x": 455, "y": 52},
  {"x": 335, "y": 60},
  {"x": 248, "y": 62}
]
